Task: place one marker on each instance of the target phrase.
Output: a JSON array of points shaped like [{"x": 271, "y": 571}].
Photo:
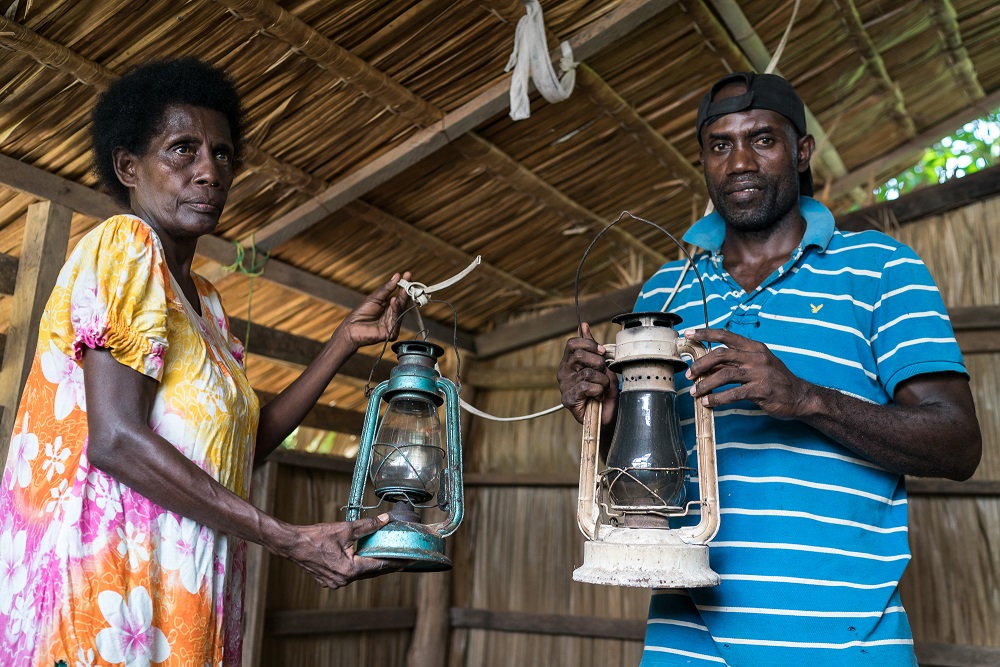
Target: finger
[
  {"x": 721, "y": 398},
  {"x": 587, "y": 334},
  {"x": 367, "y": 526},
  {"x": 381, "y": 295},
  {"x": 713, "y": 363},
  {"x": 370, "y": 567}
]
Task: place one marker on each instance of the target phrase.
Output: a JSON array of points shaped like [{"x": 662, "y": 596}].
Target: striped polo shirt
[{"x": 813, "y": 538}]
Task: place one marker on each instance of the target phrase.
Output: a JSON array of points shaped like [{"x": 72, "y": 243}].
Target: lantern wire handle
[
  {"x": 419, "y": 294},
  {"x": 690, "y": 262}
]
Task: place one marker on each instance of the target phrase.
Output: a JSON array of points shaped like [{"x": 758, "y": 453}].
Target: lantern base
[
  {"x": 644, "y": 558},
  {"x": 406, "y": 541}
]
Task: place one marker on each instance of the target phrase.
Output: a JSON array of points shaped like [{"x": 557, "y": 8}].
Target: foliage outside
[
  {"x": 318, "y": 441},
  {"x": 972, "y": 148}
]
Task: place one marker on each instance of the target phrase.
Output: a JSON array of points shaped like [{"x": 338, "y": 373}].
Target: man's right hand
[{"x": 583, "y": 375}]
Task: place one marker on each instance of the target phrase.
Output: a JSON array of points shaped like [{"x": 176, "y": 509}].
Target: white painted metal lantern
[{"x": 625, "y": 509}]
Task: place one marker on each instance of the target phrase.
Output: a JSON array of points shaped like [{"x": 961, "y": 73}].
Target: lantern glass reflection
[
  {"x": 647, "y": 457},
  {"x": 407, "y": 456}
]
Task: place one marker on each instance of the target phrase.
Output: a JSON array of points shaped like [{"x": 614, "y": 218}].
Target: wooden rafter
[
  {"x": 977, "y": 327},
  {"x": 945, "y": 16},
  {"x": 393, "y": 225},
  {"x": 335, "y": 59},
  {"x": 872, "y": 58},
  {"x": 756, "y": 53},
  {"x": 476, "y": 149},
  {"x": 40, "y": 183},
  {"x": 272, "y": 344},
  {"x": 356, "y": 184},
  {"x": 50, "y": 54},
  {"x": 866, "y": 172}
]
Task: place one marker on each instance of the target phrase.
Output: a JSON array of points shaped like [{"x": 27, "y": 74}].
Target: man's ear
[
  {"x": 125, "y": 165},
  {"x": 806, "y": 146}
]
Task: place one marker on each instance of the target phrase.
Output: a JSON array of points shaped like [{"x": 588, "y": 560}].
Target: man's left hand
[{"x": 761, "y": 376}]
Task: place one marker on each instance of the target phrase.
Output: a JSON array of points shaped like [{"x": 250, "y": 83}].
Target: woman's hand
[
  {"x": 326, "y": 551},
  {"x": 377, "y": 318}
]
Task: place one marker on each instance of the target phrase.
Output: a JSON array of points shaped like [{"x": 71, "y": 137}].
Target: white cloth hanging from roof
[{"x": 530, "y": 60}]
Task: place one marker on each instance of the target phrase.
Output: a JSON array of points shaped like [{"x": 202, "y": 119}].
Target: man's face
[{"x": 752, "y": 161}]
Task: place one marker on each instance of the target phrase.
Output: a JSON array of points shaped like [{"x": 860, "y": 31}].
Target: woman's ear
[{"x": 124, "y": 163}]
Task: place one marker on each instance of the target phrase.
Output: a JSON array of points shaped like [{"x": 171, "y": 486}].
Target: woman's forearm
[{"x": 280, "y": 417}]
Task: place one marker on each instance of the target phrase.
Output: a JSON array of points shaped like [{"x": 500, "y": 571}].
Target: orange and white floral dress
[{"x": 91, "y": 572}]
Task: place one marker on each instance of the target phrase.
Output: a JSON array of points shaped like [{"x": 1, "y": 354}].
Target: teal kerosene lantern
[{"x": 410, "y": 461}]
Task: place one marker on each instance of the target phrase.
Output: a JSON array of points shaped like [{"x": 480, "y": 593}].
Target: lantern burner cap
[
  {"x": 648, "y": 319},
  {"x": 423, "y": 348}
]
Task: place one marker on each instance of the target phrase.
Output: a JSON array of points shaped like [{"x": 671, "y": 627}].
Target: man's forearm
[{"x": 929, "y": 439}]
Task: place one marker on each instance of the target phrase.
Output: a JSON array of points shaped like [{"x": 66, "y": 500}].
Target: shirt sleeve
[
  {"x": 114, "y": 285},
  {"x": 912, "y": 334}
]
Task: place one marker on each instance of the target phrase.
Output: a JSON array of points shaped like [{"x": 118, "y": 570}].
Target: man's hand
[
  {"x": 583, "y": 374},
  {"x": 761, "y": 376},
  {"x": 377, "y": 318},
  {"x": 326, "y": 551}
]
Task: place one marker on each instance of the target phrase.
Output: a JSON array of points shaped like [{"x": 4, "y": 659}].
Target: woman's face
[{"x": 181, "y": 183}]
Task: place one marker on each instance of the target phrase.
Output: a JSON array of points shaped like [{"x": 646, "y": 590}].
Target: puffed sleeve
[{"x": 111, "y": 294}]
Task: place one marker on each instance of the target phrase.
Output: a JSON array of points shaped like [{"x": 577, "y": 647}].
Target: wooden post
[
  {"x": 258, "y": 560},
  {"x": 43, "y": 252},
  {"x": 429, "y": 645}
]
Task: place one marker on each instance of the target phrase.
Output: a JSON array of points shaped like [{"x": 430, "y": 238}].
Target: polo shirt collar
[{"x": 710, "y": 231}]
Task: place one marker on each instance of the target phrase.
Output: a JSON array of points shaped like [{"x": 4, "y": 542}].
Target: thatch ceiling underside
[{"x": 335, "y": 89}]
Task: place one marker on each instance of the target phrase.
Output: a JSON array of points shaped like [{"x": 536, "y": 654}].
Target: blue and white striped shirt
[{"x": 813, "y": 538}]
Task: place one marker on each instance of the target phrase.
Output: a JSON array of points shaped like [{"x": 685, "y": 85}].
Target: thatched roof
[{"x": 381, "y": 142}]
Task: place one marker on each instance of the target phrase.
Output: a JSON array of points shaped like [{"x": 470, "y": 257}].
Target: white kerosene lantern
[{"x": 625, "y": 509}]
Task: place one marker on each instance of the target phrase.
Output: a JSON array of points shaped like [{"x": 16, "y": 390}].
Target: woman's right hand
[
  {"x": 583, "y": 374},
  {"x": 327, "y": 551}
]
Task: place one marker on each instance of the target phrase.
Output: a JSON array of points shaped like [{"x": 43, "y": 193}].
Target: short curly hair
[{"x": 130, "y": 112}]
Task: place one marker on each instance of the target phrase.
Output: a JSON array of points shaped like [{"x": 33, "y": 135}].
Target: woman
[{"x": 123, "y": 508}]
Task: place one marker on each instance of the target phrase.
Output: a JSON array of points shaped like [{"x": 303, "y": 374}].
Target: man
[{"x": 834, "y": 372}]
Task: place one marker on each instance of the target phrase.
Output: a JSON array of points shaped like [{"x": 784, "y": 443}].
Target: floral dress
[{"x": 91, "y": 572}]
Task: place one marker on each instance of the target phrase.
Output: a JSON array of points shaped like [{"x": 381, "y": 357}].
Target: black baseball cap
[{"x": 764, "y": 91}]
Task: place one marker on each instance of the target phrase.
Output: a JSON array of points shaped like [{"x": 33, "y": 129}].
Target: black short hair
[{"x": 130, "y": 112}]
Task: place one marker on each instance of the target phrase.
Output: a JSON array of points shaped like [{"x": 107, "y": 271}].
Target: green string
[{"x": 251, "y": 273}]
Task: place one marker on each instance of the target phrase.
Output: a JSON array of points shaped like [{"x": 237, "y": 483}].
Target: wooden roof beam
[
  {"x": 946, "y": 18},
  {"x": 309, "y": 184},
  {"x": 476, "y": 149},
  {"x": 404, "y": 230},
  {"x": 919, "y": 143},
  {"x": 40, "y": 183},
  {"x": 21, "y": 177},
  {"x": 872, "y": 58},
  {"x": 977, "y": 327},
  {"x": 751, "y": 44},
  {"x": 627, "y": 16},
  {"x": 272, "y": 344}
]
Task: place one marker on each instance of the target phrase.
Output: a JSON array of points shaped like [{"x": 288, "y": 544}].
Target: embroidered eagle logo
[{"x": 815, "y": 309}]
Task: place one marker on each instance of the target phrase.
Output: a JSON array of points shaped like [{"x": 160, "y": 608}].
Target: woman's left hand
[{"x": 377, "y": 318}]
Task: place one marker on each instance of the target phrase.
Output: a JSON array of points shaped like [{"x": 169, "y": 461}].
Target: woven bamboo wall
[{"x": 952, "y": 588}]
